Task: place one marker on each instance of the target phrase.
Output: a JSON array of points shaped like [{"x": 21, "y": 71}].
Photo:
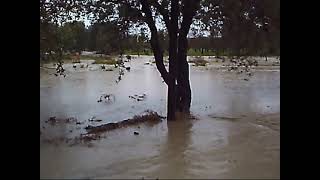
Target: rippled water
[{"x": 236, "y": 135}]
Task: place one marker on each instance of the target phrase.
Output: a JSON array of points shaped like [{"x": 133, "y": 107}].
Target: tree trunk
[
  {"x": 183, "y": 96},
  {"x": 183, "y": 99},
  {"x": 173, "y": 45},
  {"x": 177, "y": 79},
  {"x": 155, "y": 45}
]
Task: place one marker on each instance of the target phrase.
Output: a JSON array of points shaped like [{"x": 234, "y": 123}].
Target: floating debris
[
  {"x": 93, "y": 119},
  {"x": 53, "y": 120},
  {"x": 109, "y": 69},
  {"x": 94, "y": 132},
  {"x": 151, "y": 117},
  {"x": 138, "y": 97},
  {"x": 128, "y": 57},
  {"x": 107, "y": 98},
  {"x": 60, "y": 70},
  {"x": 242, "y": 65},
  {"x": 224, "y": 118}
]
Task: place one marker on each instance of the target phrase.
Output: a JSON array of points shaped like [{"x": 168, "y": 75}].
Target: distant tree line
[
  {"x": 235, "y": 28},
  {"x": 107, "y": 38}
]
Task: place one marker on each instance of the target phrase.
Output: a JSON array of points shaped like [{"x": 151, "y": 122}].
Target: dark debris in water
[
  {"x": 224, "y": 117},
  {"x": 94, "y": 132},
  {"x": 242, "y": 65},
  {"x": 54, "y": 120},
  {"x": 150, "y": 117},
  {"x": 60, "y": 70},
  {"x": 141, "y": 97},
  {"x": 94, "y": 120},
  {"x": 107, "y": 98}
]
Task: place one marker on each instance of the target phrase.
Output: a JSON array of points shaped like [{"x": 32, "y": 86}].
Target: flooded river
[{"x": 236, "y": 133}]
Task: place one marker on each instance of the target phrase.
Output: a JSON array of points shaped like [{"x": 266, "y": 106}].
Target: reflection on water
[
  {"x": 246, "y": 147},
  {"x": 173, "y": 153}
]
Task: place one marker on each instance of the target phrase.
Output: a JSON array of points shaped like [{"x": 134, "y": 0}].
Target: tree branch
[
  {"x": 155, "y": 45},
  {"x": 188, "y": 12},
  {"x": 164, "y": 12}
]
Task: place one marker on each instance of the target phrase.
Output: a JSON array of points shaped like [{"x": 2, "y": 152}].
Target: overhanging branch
[{"x": 155, "y": 45}]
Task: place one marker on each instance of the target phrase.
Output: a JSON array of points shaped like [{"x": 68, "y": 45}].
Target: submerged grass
[
  {"x": 109, "y": 61},
  {"x": 198, "y": 61}
]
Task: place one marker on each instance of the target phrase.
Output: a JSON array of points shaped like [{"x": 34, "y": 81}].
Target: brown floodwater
[{"x": 236, "y": 133}]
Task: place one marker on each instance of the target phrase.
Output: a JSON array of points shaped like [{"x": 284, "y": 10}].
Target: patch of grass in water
[
  {"x": 198, "y": 61},
  {"x": 100, "y": 59},
  {"x": 104, "y": 61}
]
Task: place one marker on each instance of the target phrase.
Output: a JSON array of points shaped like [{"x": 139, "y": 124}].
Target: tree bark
[
  {"x": 173, "y": 45},
  {"x": 183, "y": 91},
  {"x": 183, "y": 98},
  {"x": 155, "y": 44},
  {"x": 177, "y": 79}
]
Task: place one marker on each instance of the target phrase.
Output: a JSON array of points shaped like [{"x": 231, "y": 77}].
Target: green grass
[{"x": 193, "y": 52}]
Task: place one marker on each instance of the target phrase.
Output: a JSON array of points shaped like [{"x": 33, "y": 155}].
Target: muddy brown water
[{"x": 236, "y": 133}]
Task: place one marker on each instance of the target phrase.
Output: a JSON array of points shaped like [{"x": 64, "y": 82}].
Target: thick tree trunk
[
  {"x": 177, "y": 79},
  {"x": 173, "y": 57},
  {"x": 183, "y": 99}
]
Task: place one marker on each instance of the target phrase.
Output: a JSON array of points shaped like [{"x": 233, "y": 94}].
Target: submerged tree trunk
[
  {"x": 183, "y": 84},
  {"x": 173, "y": 59},
  {"x": 177, "y": 79}
]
